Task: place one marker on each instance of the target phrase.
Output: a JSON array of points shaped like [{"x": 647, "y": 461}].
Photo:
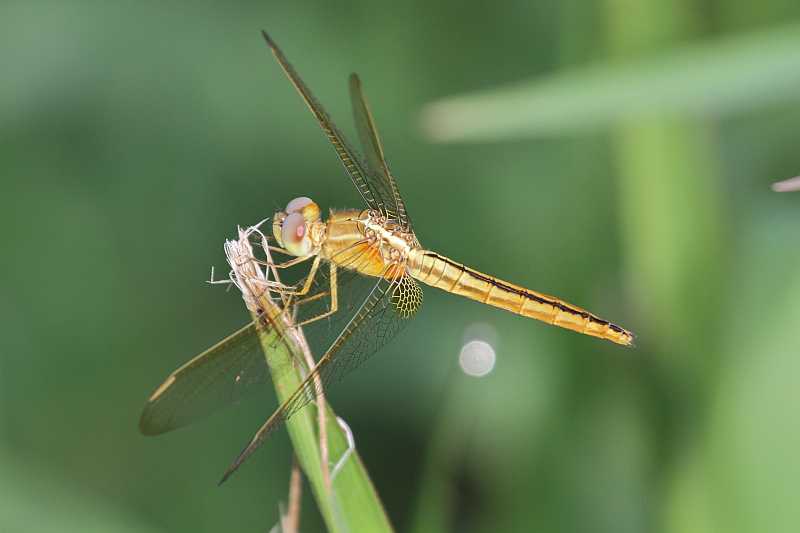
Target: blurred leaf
[
  {"x": 688, "y": 502},
  {"x": 742, "y": 475},
  {"x": 725, "y": 76},
  {"x": 35, "y": 501},
  {"x": 791, "y": 184},
  {"x": 672, "y": 222},
  {"x": 487, "y": 426},
  {"x": 754, "y": 430}
]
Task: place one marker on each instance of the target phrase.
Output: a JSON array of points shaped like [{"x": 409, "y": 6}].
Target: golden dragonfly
[{"x": 362, "y": 285}]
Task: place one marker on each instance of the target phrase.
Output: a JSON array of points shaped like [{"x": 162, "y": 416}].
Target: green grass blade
[
  {"x": 352, "y": 504},
  {"x": 728, "y": 75}
]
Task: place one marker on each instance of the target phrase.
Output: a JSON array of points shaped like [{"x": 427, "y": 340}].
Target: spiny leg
[
  {"x": 279, "y": 249},
  {"x": 314, "y": 297},
  {"x": 276, "y": 286},
  {"x": 312, "y": 273},
  {"x": 273, "y": 248},
  {"x": 289, "y": 290},
  {"x": 334, "y": 306},
  {"x": 292, "y": 306},
  {"x": 333, "y": 284},
  {"x": 285, "y": 264}
]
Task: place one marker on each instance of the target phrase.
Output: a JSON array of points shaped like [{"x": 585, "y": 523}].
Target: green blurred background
[{"x": 137, "y": 135}]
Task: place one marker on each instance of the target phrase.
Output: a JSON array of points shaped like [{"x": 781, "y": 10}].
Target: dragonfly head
[{"x": 292, "y": 226}]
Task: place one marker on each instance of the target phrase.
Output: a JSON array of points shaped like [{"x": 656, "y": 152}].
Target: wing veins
[
  {"x": 373, "y": 147},
  {"x": 324, "y": 370},
  {"x": 346, "y": 155}
]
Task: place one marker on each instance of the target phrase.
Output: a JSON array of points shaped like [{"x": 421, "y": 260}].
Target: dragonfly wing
[
  {"x": 346, "y": 154},
  {"x": 382, "y": 314},
  {"x": 221, "y": 375},
  {"x": 235, "y": 367},
  {"x": 379, "y": 175}
]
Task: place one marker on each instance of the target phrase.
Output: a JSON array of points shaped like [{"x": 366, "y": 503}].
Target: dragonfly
[{"x": 365, "y": 268}]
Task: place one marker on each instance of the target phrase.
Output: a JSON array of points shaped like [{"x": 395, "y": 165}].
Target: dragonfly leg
[
  {"x": 334, "y": 299},
  {"x": 288, "y": 292},
  {"x": 286, "y": 264},
  {"x": 310, "y": 278},
  {"x": 291, "y": 290},
  {"x": 273, "y": 248},
  {"x": 278, "y": 249},
  {"x": 309, "y": 299},
  {"x": 275, "y": 286}
]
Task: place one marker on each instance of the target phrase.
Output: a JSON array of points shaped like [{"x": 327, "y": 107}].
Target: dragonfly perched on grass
[{"x": 362, "y": 284}]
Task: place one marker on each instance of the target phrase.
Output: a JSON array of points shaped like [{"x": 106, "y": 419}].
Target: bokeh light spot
[{"x": 477, "y": 358}]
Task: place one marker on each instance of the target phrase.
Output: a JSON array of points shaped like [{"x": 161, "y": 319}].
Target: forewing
[
  {"x": 378, "y": 174},
  {"x": 382, "y": 314},
  {"x": 346, "y": 154}
]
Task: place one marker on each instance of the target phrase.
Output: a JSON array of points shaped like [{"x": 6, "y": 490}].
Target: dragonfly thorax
[
  {"x": 367, "y": 242},
  {"x": 394, "y": 242}
]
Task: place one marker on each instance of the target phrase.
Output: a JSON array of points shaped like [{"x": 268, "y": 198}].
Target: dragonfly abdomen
[{"x": 444, "y": 273}]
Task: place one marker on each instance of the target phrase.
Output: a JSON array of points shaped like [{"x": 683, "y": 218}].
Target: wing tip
[
  {"x": 225, "y": 476},
  {"x": 151, "y": 425},
  {"x": 234, "y": 466},
  {"x": 272, "y": 44},
  {"x": 147, "y": 421},
  {"x": 272, "y": 422},
  {"x": 146, "y": 426}
]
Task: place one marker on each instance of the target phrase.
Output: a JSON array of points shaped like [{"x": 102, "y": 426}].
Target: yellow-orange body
[
  {"x": 366, "y": 242},
  {"x": 377, "y": 242}
]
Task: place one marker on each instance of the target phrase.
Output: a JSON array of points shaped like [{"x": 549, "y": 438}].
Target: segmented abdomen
[{"x": 439, "y": 271}]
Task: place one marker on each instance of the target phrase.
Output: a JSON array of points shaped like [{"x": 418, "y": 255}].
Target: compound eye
[
  {"x": 294, "y": 234},
  {"x": 298, "y": 204},
  {"x": 304, "y": 206}
]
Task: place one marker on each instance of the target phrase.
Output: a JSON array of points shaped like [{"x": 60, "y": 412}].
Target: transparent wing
[
  {"x": 379, "y": 175},
  {"x": 235, "y": 367},
  {"x": 386, "y": 309},
  {"x": 220, "y": 375},
  {"x": 371, "y": 187}
]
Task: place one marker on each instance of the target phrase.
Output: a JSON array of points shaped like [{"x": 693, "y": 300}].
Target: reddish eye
[
  {"x": 293, "y": 229},
  {"x": 294, "y": 235}
]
